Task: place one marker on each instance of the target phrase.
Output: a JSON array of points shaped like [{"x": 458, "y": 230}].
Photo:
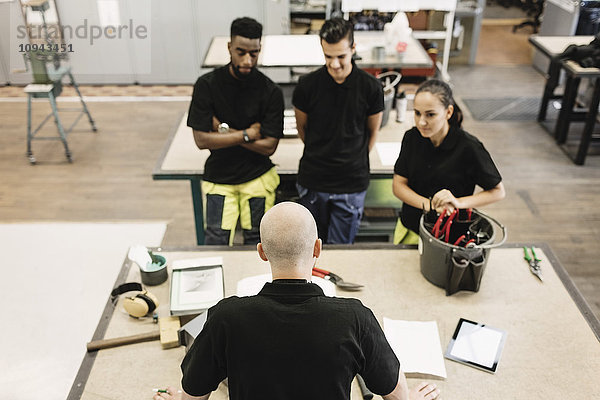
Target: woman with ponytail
[{"x": 439, "y": 163}]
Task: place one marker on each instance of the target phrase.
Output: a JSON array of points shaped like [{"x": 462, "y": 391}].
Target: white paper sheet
[
  {"x": 197, "y": 286},
  {"x": 388, "y": 152},
  {"x": 417, "y": 346},
  {"x": 252, "y": 285},
  {"x": 284, "y": 50}
]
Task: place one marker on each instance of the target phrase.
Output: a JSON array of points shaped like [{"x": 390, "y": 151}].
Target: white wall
[{"x": 179, "y": 33}]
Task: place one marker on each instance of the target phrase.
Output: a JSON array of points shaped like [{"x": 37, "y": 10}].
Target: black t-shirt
[
  {"x": 336, "y": 143},
  {"x": 239, "y": 103},
  {"x": 289, "y": 342},
  {"x": 458, "y": 164}
]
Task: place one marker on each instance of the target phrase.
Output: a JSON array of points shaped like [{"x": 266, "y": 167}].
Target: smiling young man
[
  {"x": 338, "y": 114},
  {"x": 237, "y": 113}
]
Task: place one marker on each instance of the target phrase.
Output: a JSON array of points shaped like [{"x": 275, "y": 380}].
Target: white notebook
[
  {"x": 196, "y": 285},
  {"x": 417, "y": 346}
]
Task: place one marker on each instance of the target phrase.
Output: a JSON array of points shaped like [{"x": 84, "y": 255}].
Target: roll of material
[{"x": 155, "y": 273}]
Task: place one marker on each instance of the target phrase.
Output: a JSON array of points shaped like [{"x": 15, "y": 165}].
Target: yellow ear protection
[{"x": 138, "y": 305}]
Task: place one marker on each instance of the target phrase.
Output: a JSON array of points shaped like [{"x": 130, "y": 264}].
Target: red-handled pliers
[
  {"x": 336, "y": 279},
  {"x": 436, "y": 228}
]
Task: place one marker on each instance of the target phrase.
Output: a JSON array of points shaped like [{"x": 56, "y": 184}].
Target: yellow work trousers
[
  {"x": 403, "y": 235},
  {"x": 247, "y": 201}
]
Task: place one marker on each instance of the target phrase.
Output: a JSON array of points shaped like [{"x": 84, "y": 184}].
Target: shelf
[{"x": 433, "y": 35}]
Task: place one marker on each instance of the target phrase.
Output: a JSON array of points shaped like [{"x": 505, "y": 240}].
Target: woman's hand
[
  {"x": 445, "y": 200},
  {"x": 171, "y": 394}
]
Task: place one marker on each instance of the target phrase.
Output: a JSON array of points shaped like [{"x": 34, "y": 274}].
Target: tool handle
[
  {"x": 318, "y": 274},
  {"x": 535, "y": 257},
  {"x": 321, "y": 271},
  {"x": 366, "y": 393},
  {"x": 526, "y": 256},
  {"x": 121, "y": 341}
]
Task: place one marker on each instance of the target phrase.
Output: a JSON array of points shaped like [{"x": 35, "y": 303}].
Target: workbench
[
  {"x": 568, "y": 114},
  {"x": 552, "y": 47},
  {"x": 182, "y": 160},
  {"x": 306, "y": 51},
  {"x": 552, "y": 349}
]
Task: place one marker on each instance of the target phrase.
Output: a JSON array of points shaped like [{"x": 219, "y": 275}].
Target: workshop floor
[{"x": 549, "y": 199}]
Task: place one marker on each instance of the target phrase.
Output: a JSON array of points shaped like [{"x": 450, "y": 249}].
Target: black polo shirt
[
  {"x": 239, "y": 103},
  {"x": 458, "y": 164},
  {"x": 289, "y": 342},
  {"x": 336, "y": 143}
]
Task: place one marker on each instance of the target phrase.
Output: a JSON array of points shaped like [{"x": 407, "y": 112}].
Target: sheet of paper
[
  {"x": 417, "y": 346},
  {"x": 388, "y": 152},
  {"x": 252, "y": 285},
  {"x": 203, "y": 285},
  {"x": 292, "y": 50}
]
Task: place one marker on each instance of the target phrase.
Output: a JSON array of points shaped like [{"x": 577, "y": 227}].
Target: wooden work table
[{"x": 552, "y": 349}]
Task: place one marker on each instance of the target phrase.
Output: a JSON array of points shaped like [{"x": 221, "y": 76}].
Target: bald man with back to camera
[{"x": 291, "y": 341}]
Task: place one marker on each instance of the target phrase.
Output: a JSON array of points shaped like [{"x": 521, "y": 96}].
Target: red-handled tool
[
  {"x": 436, "y": 228},
  {"x": 336, "y": 279},
  {"x": 460, "y": 239}
]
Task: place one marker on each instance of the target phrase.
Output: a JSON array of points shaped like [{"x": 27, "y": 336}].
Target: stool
[{"x": 51, "y": 91}]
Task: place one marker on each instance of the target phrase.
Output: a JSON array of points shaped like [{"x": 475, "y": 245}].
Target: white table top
[
  {"x": 306, "y": 51},
  {"x": 555, "y": 45},
  {"x": 183, "y": 158}
]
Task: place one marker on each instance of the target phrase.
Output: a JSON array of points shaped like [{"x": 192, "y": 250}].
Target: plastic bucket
[{"x": 453, "y": 267}]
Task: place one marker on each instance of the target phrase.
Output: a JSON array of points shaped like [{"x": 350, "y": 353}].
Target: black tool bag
[
  {"x": 454, "y": 254},
  {"x": 587, "y": 55}
]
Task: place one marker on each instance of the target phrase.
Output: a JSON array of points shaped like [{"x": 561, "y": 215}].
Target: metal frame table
[
  {"x": 182, "y": 160},
  {"x": 552, "y": 47},
  {"x": 568, "y": 114}
]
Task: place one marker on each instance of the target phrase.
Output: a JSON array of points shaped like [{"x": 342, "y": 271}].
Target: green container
[{"x": 156, "y": 272}]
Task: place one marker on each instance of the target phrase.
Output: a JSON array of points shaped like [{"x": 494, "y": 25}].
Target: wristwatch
[
  {"x": 246, "y": 137},
  {"x": 223, "y": 127}
]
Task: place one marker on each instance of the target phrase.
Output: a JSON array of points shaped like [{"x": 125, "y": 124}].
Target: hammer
[
  {"x": 366, "y": 393},
  {"x": 167, "y": 333}
]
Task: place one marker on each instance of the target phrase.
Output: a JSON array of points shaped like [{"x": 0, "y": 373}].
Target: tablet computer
[{"x": 477, "y": 345}]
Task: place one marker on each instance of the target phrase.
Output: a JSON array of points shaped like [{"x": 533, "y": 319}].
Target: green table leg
[{"x": 198, "y": 209}]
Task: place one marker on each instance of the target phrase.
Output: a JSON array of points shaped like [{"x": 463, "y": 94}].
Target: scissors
[
  {"x": 534, "y": 263},
  {"x": 336, "y": 279}
]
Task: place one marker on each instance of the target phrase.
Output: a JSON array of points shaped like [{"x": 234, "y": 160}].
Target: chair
[
  {"x": 48, "y": 84},
  {"x": 534, "y": 9}
]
